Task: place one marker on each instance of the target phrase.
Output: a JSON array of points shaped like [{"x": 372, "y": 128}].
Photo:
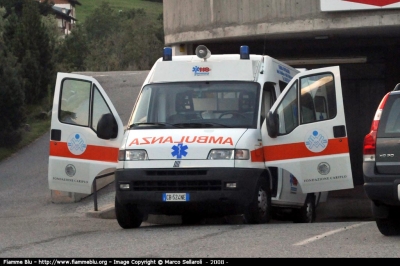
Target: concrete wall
[{"x": 196, "y": 20}]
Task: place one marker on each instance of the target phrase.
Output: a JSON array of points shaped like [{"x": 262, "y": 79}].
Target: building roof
[{"x": 63, "y": 12}]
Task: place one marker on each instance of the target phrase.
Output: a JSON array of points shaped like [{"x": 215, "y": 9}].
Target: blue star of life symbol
[
  {"x": 196, "y": 69},
  {"x": 179, "y": 150}
]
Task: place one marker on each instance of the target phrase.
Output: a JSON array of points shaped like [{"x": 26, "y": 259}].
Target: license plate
[{"x": 176, "y": 197}]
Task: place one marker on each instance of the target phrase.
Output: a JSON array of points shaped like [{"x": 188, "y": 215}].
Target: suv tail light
[{"x": 369, "y": 148}]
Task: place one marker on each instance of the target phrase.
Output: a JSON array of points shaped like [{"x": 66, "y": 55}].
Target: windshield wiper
[
  {"x": 151, "y": 124},
  {"x": 217, "y": 124}
]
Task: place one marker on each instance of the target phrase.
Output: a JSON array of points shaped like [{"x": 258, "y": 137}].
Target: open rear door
[
  {"x": 77, "y": 153},
  {"x": 305, "y": 132}
]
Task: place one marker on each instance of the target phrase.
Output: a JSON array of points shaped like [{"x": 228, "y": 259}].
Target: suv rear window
[{"x": 390, "y": 121}]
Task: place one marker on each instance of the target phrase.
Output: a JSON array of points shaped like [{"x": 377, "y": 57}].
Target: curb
[{"x": 106, "y": 212}]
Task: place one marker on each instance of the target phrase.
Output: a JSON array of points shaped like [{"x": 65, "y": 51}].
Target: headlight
[
  {"x": 228, "y": 155},
  {"x": 132, "y": 155}
]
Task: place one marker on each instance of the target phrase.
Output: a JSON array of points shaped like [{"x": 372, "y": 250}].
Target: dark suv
[{"x": 381, "y": 164}]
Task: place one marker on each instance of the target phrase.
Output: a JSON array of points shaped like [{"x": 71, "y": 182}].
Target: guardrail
[{"x": 95, "y": 188}]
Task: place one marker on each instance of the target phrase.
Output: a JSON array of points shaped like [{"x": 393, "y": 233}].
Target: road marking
[{"x": 318, "y": 237}]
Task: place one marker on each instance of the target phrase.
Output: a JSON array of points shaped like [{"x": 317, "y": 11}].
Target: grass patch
[{"x": 153, "y": 9}]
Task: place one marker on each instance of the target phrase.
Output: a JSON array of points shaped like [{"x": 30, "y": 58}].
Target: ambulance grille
[
  {"x": 176, "y": 172},
  {"x": 192, "y": 185}
]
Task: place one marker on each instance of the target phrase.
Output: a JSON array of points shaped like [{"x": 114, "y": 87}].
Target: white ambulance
[{"x": 209, "y": 135}]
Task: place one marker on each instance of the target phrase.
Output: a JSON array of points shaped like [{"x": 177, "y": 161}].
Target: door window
[
  {"x": 74, "y": 106},
  {"x": 268, "y": 99},
  {"x": 316, "y": 98},
  {"x": 100, "y": 108},
  {"x": 287, "y": 111}
]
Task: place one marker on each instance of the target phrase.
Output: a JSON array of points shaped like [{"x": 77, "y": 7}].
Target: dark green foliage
[
  {"x": 112, "y": 40},
  {"x": 12, "y": 6},
  {"x": 31, "y": 53},
  {"x": 12, "y": 112},
  {"x": 33, "y": 49},
  {"x": 16, "y": 6},
  {"x": 26, "y": 66},
  {"x": 69, "y": 53},
  {"x": 120, "y": 40}
]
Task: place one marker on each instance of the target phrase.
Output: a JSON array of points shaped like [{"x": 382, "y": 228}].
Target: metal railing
[{"x": 95, "y": 188}]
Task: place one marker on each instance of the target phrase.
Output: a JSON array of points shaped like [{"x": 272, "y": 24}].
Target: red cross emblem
[{"x": 374, "y": 2}]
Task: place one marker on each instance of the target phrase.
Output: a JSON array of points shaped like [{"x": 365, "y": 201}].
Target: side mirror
[
  {"x": 107, "y": 127},
  {"x": 272, "y": 124}
]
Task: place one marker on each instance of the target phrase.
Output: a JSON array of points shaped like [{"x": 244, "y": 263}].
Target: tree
[
  {"x": 70, "y": 50},
  {"x": 33, "y": 49},
  {"x": 142, "y": 43},
  {"x": 26, "y": 63},
  {"x": 12, "y": 111},
  {"x": 103, "y": 28},
  {"x": 126, "y": 40}
]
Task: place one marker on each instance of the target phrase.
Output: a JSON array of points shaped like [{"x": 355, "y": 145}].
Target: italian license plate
[{"x": 176, "y": 197}]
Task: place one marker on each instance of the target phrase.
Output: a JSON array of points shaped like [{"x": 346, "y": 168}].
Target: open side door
[
  {"x": 86, "y": 133},
  {"x": 305, "y": 132}
]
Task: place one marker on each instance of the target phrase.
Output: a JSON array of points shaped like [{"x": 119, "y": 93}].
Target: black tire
[
  {"x": 307, "y": 213},
  {"x": 128, "y": 216},
  {"x": 387, "y": 219},
  {"x": 259, "y": 211},
  {"x": 388, "y": 227}
]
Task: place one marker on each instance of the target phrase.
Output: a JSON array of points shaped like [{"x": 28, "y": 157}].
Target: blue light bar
[
  {"x": 244, "y": 52},
  {"x": 167, "y": 54}
]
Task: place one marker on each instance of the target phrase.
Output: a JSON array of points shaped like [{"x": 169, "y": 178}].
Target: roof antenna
[
  {"x": 265, "y": 41},
  {"x": 262, "y": 58}
]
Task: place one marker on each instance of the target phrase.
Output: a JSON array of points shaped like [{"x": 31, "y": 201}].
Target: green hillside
[{"x": 153, "y": 9}]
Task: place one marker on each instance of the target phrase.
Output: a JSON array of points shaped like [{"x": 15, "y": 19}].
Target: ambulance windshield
[{"x": 198, "y": 104}]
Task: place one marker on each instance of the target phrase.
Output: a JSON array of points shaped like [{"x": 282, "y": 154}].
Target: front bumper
[{"x": 206, "y": 187}]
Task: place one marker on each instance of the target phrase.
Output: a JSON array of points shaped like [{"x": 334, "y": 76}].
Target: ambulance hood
[{"x": 183, "y": 144}]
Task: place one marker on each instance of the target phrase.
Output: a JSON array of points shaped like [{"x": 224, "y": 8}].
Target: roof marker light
[
  {"x": 167, "y": 54},
  {"x": 244, "y": 52}
]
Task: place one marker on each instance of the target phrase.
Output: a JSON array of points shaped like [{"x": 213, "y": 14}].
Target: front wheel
[
  {"x": 259, "y": 210},
  {"x": 127, "y": 216},
  {"x": 307, "y": 213}
]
